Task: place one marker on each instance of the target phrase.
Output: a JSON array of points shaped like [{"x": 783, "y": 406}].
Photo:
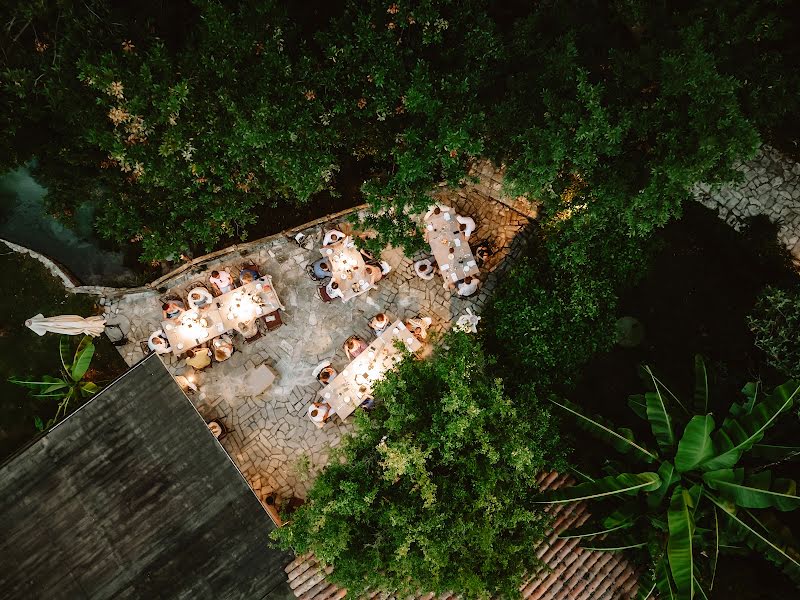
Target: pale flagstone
[{"x": 270, "y": 433}]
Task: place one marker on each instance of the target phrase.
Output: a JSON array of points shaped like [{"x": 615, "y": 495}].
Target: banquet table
[
  {"x": 348, "y": 268},
  {"x": 192, "y": 328},
  {"x": 245, "y": 304},
  {"x": 444, "y": 237},
  {"x": 354, "y": 384},
  {"x": 241, "y": 306}
]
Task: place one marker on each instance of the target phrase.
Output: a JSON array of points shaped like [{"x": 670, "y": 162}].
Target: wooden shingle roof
[{"x": 576, "y": 574}]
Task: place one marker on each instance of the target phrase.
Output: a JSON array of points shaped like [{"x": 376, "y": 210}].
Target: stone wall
[{"x": 771, "y": 187}]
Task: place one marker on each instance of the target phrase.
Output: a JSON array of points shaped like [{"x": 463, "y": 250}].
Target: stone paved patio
[{"x": 272, "y": 440}]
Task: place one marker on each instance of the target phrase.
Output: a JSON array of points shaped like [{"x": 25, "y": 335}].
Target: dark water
[{"x": 24, "y": 221}]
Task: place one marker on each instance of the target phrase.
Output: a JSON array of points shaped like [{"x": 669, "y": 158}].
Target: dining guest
[
  {"x": 466, "y": 225},
  {"x": 354, "y": 346},
  {"x": 159, "y": 343},
  {"x": 248, "y": 276},
  {"x": 468, "y": 286},
  {"x": 374, "y": 274},
  {"x": 379, "y": 322},
  {"x": 322, "y": 268},
  {"x": 171, "y": 309},
  {"x": 199, "y": 358},
  {"x": 435, "y": 209},
  {"x": 333, "y": 290},
  {"x": 223, "y": 281},
  {"x": 199, "y": 300},
  {"x": 332, "y": 236},
  {"x": 419, "y": 327},
  {"x": 223, "y": 348},
  {"x": 326, "y": 375},
  {"x": 319, "y": 412},
  {"x": 482, "y": 252},
  {"x": 424, "y": 269}
]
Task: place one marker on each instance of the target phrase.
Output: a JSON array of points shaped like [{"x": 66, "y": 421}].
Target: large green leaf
[
  {"x": 89, "y": 388},
  {"x": 627, "y": 483},
  {"x": 700, "y": 385},
  {"x": 701, "y": 593},
  {"x": 664, "y": 582},
  {"x": 591, "y": 530},
  {"x": 82, "y": 360},
  {"x": 612, "y": 546},
  {"x": 716, "y": 548},
  {"x": 774, "y": 452},
  {"x": 755, "y": 536},
  {"x": 679, "y": 546},
  {"x": 739, "y": 434},
  {"x": 46, "y": 384},
  {"x": 695, "y": 445},
  {"x": 668, "y": 476},
  {"x": 661, "y": 388},
  {"x": 604, "y": 431},
  {"x": 64, "y": 344},
  {"x": 638, "y": 405},
  {"x": 755, "y": 491},
  {"x": 660, "y": 421},
  {"x": 750, "y": 390}
]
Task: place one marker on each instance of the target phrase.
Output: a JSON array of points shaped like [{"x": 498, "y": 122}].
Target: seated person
[
  {"x": 198, "y": 358},
  {"x": 322, "y": 268},
  {"x": 435, "y": 209},
  {"x": 332, "y": 236},
  {"x": 354, "y": 346},
  {"x": 248, "y": 276},
  {"x": 482, "y": 252},
  {"x": 319, "y": 412},
  {"x": 466, "y": 225},
  {"x": 419, "y": 327},
  {"x": 424, "y": 269},
  {"x": 172, "y": 309},
  {"x": 368, "y": 403},
  {"x": 223, "y": 348},
  {"x": 379, "y": 322},
  {"x": 374, "y": 274},
  {"x": 223, "y": 281},
  {"x": 333, "y": 290},
  {"x": 199, "y": 298},
  {"x": 467, "y": 287},
  {"x": 326, "y": 375},
  {"x": 159, "y": 343}
]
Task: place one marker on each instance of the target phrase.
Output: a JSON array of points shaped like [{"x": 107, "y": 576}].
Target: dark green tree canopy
[
  {"x": 434, "y": 490},
  {"x": 182, "y": 121}
]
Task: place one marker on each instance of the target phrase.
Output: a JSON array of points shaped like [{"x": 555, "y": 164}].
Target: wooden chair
[
  {"x": 274, "y": 323},
  {"x": 322, "y": 294},
  {"x": 222, "y": 426}
]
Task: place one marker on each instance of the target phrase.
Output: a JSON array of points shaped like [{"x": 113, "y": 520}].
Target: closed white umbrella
[{"x": 66, "y": 324}]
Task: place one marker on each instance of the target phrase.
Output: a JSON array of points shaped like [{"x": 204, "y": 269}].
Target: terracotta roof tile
[{"x": 573, "y": 573}]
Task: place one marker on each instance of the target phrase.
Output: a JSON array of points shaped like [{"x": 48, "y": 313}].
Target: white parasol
[{"x": 66, "y": 324}]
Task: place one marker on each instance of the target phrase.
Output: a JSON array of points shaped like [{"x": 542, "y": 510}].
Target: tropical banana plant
[
  {"x": 701, "y": 490},
  {"x": 70, "y": 385}
]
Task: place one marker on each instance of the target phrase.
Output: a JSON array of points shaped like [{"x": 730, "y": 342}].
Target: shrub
[{"x": 775, "y": 323}]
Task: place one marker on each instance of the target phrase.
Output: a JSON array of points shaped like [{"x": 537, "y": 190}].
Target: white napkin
[
  {"x": 445, "y": 267},
  {"x": 446, "y": 216},
  {"x": 457, "y": 242}
]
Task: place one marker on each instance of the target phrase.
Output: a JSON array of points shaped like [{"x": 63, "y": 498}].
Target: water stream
[{"x": 24, "y": 221}]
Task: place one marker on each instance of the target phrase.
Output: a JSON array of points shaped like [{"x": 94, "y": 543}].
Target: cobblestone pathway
[{"x": 272, "y": 441}]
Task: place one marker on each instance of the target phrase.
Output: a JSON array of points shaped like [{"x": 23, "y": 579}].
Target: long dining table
[
  {"x": 234, "y": 310},
  {"x": 449, "y": 246},
  {"x": 347, "y": 268},
  {"x": 354, "y": 384}
]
